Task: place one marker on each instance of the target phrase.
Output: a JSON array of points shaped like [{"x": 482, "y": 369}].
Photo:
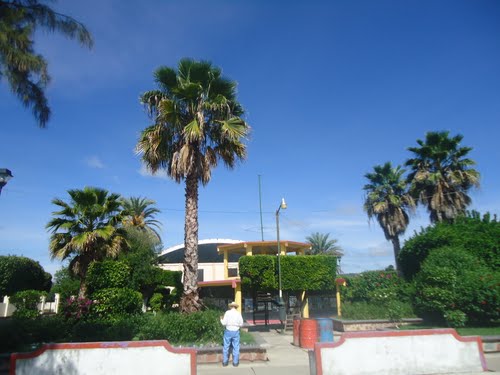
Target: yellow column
[
  {"x": 226, "y": 265},
  {"x": 339, "y": 308},
  {"x": 305, "y": 305},
  {"x": 283, "y": 249},
  {"x": 249, "y": 250},
  {"x": 237, "y": 297}
]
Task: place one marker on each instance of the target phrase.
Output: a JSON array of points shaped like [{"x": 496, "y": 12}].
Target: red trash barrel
[
  {"x": 308, "y": 333},
  {"x": 296, "y": 332}
]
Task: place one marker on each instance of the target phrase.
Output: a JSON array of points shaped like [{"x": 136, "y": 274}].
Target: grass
[
  {"x": 466, "y": 331},
  {"x": 246, "y": 338}
]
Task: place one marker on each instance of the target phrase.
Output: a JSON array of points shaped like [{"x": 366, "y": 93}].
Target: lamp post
[
  {"x": 5, "y": 176},
  {"x": 282, "y": 311}
]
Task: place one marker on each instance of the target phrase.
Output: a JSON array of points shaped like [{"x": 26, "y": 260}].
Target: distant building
[{"x": 210, "y": 263}]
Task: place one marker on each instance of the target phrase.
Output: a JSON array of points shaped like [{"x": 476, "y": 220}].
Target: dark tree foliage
[
  {"x": 21, "y": 273},
  {"x": 480, "y": 236},
  {"x": 65, "y": 283}
]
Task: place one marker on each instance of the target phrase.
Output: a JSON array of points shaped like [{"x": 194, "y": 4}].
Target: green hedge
[
  {"x": 26, "y": 303},
  {"x": 179, "y": 329},
  {"x": 311, "y": 272},
  {"x": 258, "y": 272}
]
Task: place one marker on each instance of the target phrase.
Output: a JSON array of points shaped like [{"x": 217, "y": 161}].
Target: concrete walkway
[{"x": 287, "y": 359}]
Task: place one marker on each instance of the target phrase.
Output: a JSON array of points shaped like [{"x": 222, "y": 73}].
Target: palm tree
[
  {"x": 441, "y": 175},
  {"x": 388, "y": 200},
  {"x": 25, "y": 70},
  {"x": 322, "y": 244},
  {"x": 140, "y": 214},
  {"x": 88, "y": 228},
  {"x": 197, "y": 123}
]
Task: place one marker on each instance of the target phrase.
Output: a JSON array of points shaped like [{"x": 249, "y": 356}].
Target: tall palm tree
[
  {"x": 441, "y": 175},
  {"x": 388, "y": 200},
  {"x": 86, "y": 229},
  {"x": 25, "y": 70},
  {"x": 140, "y": 213},
  {"x": 197, "y": 122}
]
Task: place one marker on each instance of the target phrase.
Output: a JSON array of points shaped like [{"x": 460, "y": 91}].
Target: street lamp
[
  {"x": 282, "y": 311},
  {"x": 5, "y": 176}
]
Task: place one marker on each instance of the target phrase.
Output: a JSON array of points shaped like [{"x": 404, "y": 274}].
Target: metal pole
[
  {"x": 260, "y": 205},
  {"x": 279, "y": 253}
]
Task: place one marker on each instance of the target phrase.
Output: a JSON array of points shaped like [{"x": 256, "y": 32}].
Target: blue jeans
[{"x": 231, "y": 338}]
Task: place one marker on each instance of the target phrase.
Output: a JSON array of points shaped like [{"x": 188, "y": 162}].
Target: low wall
[
  {"x": 102, "y": 358},
  {"x": 249, "y": 353},
  {"x": 369, "y": 325},
  {"x": 433, "y": 351}
]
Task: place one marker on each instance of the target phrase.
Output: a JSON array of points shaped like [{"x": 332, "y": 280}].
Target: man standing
[{"x": 232, "y": 320}]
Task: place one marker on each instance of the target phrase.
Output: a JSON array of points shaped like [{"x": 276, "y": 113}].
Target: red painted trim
[
  {"x": 374, "y": 334},
  {"x": 103, "y": 345}
]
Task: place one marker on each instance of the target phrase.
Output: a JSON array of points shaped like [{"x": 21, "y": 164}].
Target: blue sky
[{"x": 331, "y": 88}]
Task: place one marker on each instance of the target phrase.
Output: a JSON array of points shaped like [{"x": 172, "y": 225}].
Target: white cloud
[
  {"x": 144, "y": 171},
  {"x": 94, "y": 162}
]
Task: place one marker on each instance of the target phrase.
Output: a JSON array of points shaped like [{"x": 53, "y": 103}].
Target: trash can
[
  {"x": 308, "y": 333},
  {"x": 296, "y": 331},
  {"x": 325, "y": 329}
]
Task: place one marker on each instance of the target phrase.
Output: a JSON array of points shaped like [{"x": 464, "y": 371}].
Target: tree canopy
[
  {"x": 197, "y": 123},
  {"x": 25, "y": 70},
  {"x": 19, "y": 273}
]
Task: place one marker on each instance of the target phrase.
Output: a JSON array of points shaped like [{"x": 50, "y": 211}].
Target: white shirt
[{"x": 232, "y": 320}]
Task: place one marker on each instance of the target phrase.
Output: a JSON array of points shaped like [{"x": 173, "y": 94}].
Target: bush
[
  {"x": 478, "y": 236},
  {"x": 21, "y": 273},
  {"x": 26, "y": 303},
  {"x": 375, "y": 286},
  {"x": 65, "y": 283},
  {"x": 107, "y": 274},
  {"x": 177, "y": 328},
  {"x": 77, "y": 308},
  {"x": 113, "y": 302},
  {"x": 453, "y": 282},
  {"x": 157, "y": 302},
  {"x": 394, "y": 311}
]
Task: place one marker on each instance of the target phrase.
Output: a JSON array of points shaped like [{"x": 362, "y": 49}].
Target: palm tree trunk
[
  {"x": 190, "y": 298},
  {"x": 397, "y": 248}
]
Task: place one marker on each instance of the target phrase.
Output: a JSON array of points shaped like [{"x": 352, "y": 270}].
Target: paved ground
[{"x": 286, "y": 359}]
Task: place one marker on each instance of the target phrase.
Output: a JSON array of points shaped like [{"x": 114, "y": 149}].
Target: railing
[{"x": 7, "y": 308}]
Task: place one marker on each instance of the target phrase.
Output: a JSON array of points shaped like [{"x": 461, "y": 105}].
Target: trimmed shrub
[
  {"x": 107, "y": 274},
  {"x": 26, "y": 303},
  {"x": 21, "y": 273},
  {"x": 311, "y": 272},
  {"x": 258, "y": 272},
  {"x": 113, "y": 302}
]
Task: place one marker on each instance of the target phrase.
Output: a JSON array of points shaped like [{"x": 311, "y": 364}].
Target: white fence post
[
  {"x": 56, "y": 301},
  {"x": 6, "y": 306}
]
